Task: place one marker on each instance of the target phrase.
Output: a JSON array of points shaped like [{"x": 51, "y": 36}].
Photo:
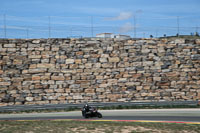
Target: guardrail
[{"x": 68, "y": 105}]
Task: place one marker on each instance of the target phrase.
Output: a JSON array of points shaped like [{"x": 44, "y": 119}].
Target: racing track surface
[{"x": 180, "y": 115}]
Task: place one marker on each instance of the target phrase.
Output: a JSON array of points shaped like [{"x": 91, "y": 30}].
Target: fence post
[
  {"x": 5, "y": 32},
  {"x": 49, "y": 27}
]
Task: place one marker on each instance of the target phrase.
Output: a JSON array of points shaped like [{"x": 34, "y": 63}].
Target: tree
[
  {"x": 151, "y": 36},
  {"x": 196, "y": 34}
]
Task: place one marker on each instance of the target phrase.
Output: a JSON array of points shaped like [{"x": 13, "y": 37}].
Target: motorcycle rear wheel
[{"x": 99, "y": 115}]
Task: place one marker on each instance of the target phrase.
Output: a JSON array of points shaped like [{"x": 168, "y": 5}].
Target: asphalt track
[{"x": 153, "y": 115}]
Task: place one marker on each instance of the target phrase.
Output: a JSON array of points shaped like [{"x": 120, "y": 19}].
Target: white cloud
[
  {"x": 139, "y": 11},
  {"x": 26, "y": 19},
  {"x": 126, "y": 28},
  {"x": 121, "y": 16},
  {"x": 96, "y": 10},
  {"x": 14, "y": 27}
]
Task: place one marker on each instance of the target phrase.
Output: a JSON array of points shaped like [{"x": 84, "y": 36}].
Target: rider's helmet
[{"x": 86, "y": 106}]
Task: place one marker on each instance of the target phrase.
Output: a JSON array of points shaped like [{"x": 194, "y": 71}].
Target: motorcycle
[{"x": 93, "y": 112}]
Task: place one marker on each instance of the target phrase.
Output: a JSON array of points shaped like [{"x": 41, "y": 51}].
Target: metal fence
[
  {"x": 111, "y": 104},
  {"x": 89, "y": 26}
]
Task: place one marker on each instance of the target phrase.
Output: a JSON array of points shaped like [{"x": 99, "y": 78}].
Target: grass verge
[{"x": 97, "y": 127}]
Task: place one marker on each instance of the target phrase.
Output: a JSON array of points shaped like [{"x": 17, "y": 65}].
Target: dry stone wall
[{"x": 52, "y": 71}]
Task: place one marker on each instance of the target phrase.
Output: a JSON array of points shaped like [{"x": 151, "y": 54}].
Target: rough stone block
[
  {"x": 157, "y": 78},
  {"x": 103, "y": 85},
  {"x": 145, "y": 50},
  {"x": 5, "y": 83},
  {"x": 100, "y": 89},
  {"x": 36, "y": 41},
  {"x": 99, "y": 77},
  {"x": 45, "y": 77},
  {"x": 127, "y": 75},
  {"x": 123, "y": 80},
  {"x": 11, "y": 49},
  {"x": 62, "y": 98},
  {"x": 33, "y": 66},
  {"x": 139, "y": 88},
  {"x": 49, "y": 82},
  {"x": 78, "y": 61},
  {"x": 59, "y": 91},
  {"x": 3, "y": 104},
  {"x": 77, "y": 97},
  {"x": 144, "y": 94},
  {"x": 55, "y": 49},
  {"x": 137, "y": 64},
  {"x": 147, "y": 87},
  {"x": 9, "y": 45},
  {"x": 49, "y": 90},
  {"x": 130, "y": 83},
  {"x": 106, "y": 65},
  {"x": 89, "y": 91},
  {"x": 197, "y": 41},
  {"x": 17, "y": 62},
  {"x": 103, "y": 60},
  {"x": 45, "y": 65},
  {"x": 180, "y": 41},
  {"x": 29, "y": 99},
  {"x": 88, "y": 65},
  {"x": 97, "y": 65},
  {"x": 114, "y": 59},
  {"x": 35, "y": 56},
  {"x": 112, "y": 81},
  {"x": 69, "y": 61},
  {"x": 1, "y": 71},
  {"x": 109, "y": 48},
  {"x": 122, "y": 100},
  {"x": 198, "y": 97},
  {"x": 148, "y": 63},
  {"x": 57, "y": 78},
  {"x": 79, "y": 53},
  {"x": 37, "y": 70},
  {"x": 138, "y": 75},
  {"x": 37, "y": 91},
  {"x": 35, "y": 77}
]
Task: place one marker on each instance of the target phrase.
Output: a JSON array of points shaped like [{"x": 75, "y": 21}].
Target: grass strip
[{"x": 93, "y": 126}]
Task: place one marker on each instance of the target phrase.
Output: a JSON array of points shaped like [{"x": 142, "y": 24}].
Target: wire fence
[{"x": 77, "y": 27}]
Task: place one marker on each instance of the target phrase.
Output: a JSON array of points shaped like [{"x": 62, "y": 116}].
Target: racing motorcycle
[{"x": 93, "y": 112}]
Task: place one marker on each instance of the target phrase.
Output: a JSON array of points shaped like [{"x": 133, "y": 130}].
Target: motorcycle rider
[{"x": 86, "y": 109}]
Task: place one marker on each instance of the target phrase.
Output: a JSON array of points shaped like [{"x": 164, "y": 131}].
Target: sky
[{"x": 86, "y": 18}]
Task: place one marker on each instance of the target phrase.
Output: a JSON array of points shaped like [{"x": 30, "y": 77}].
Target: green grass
[
  {"x": 80, "y": 126},
  {"x": 41, "y": 111},
  {"x": 149, "y": 107}
]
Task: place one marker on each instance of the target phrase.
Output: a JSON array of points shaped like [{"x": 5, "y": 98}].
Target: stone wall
[{"x": 51, "y": 71}]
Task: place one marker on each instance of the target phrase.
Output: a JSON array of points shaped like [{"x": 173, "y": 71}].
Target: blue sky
[{"x": 64, "y": 18}]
